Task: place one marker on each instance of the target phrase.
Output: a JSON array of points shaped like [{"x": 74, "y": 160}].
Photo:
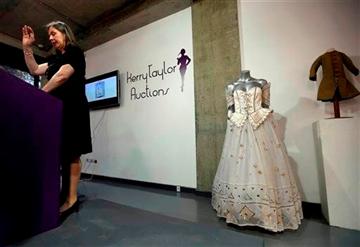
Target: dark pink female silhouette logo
[{"x": 183, "y": 60}]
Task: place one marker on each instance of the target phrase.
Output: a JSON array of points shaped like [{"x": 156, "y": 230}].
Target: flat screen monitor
[{"x": 103, "y": 91}]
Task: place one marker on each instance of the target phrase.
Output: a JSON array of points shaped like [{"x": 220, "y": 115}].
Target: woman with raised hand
[{"x": 65, "y": 71}]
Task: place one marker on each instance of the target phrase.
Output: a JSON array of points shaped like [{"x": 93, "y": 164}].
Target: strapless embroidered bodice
[{"x": 248, "y": 106}]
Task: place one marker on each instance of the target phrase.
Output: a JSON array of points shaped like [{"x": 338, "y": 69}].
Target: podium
[
  {"x": 338, "y": 151},
  {"x": 30, "y": 140}
]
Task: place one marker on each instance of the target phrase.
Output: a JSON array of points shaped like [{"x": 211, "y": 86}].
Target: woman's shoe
[{"x": 66, "y": 213}]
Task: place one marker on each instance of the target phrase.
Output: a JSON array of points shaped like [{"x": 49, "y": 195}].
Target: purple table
[{"x": 30, "y": 140}]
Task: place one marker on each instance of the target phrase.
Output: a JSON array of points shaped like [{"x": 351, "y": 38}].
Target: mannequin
[
  {"x": 245, "y": 82},
  {"x": 253, "y": 184}
]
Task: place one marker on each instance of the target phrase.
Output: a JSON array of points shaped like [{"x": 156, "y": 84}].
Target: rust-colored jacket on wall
[{"x": 334, "y": 76}]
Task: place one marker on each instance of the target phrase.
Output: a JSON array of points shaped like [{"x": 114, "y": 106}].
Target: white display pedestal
[{"x": 338, "y": 150}]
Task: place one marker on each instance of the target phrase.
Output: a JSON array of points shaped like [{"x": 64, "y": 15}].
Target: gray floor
[{"x": 196, "y": 210}]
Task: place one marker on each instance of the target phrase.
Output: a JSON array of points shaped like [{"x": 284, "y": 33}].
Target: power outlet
[{"x": 92, "y": 161}]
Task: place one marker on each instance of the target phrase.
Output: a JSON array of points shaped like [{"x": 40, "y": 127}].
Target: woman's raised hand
[{"x": 28, "y": 36}]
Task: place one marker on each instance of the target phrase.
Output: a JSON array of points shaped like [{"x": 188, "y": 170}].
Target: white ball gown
[{"x": 254, "y": 184}]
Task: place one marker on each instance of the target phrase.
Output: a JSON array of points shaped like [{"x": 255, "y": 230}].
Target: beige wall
[{"x": 279, "y": 42}]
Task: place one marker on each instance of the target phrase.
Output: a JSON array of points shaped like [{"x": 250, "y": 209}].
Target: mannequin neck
[{"x": 245, "y": 75}]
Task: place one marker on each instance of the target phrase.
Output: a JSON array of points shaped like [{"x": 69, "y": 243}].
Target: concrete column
[{"x": 216, "y": 63}]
